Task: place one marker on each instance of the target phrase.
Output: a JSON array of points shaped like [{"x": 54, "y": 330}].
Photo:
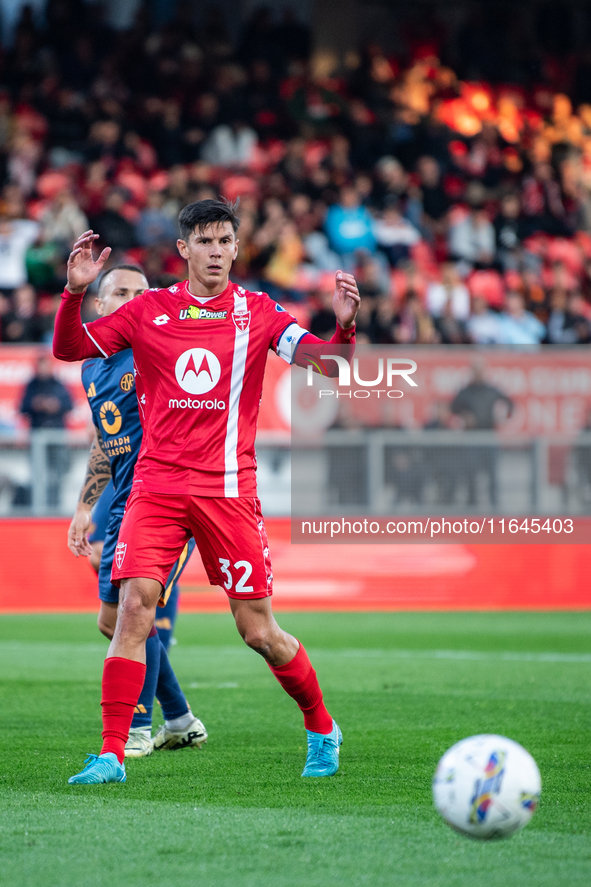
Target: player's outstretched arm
[
  {"x": 345, "y": 302},
  {"x": 98, "y": 475},
  {"x": 70, "y": 342}
]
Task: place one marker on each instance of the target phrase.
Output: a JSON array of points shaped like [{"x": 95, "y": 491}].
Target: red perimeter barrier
[{"x": 39, "y": 574}]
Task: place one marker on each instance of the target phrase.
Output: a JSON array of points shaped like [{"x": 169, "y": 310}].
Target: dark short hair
[
  {"x": 197, "y": 216},
  {"x": 118, "y": 268}
]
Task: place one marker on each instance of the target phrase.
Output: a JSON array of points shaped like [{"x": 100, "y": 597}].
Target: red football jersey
[{"x": 199, "y": 378}]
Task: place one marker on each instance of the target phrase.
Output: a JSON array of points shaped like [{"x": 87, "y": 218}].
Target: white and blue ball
[{"x": 487, "y": 786}]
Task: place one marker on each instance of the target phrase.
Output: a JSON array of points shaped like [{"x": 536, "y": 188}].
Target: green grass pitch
[{"x": 403, "y": 687}]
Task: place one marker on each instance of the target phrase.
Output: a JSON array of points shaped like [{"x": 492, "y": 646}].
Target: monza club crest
[
  {"x": 241, "y": 320},
  {"x": 120, "y": 553}
]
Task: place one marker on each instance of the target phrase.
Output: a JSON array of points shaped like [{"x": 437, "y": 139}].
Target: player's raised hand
[
  {"x": 78, "y": 533},
  {"x": 346, "y": 299},
  {"x": 82, "y": 268}
]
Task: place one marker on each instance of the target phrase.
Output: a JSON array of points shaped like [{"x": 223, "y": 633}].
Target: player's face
[
  {"x": 121, "y": 286},
  {"x": 210, "y": 254}
]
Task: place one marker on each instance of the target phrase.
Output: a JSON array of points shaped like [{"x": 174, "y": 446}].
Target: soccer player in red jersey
[{"x": 200, "y": 349}]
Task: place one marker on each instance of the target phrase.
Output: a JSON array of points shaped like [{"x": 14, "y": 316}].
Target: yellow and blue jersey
[{"x": 110, "y": 389}]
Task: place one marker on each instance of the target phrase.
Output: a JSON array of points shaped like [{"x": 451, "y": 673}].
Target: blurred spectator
[
  {"x": 63, "y": 221},
  {"x": 319, "y": 253},
  {"x": 451, "y": 294},
  {"x": 391, "y": 180},
  {"x": 413, "y": 323},
  {"x": 230, "y": 145},
  {"x": 371, "y": 278},
  {"x": 104, "y": 142},
  {"x": 282, "y": 267},
  {"x": 434, "y": 201},
  {"x": 383, "y": 320},
  {"x": 349, "y": 226},
  {"x": 21, "y": 323},
  {"x": 23, "y": 161},
  {"x": 154, "y": 225},
  {"x": 542, "y": 200},
  {"x": 16, "y": 235},
  {"x": 316, "y": 106},
  {"x": 46, "y": 402},
  {"x": 451, "y": 330},
  {"x": 45, "y": 265},
  {"x": 533, "y": 291},
  {"x": 394, "y": 234},
  {"x": 364, "y": 322},
  {"x": 479, "y": 404},
  {"x": 111, "y": 225},
  {"x": 13, "y": 201},
  {"x": 565, "y": 325},
  {"x": 264, "y": 241},
  {"x": 483, "y": 324},
  {"x": 169, "y": 137},
  {"x": 95, "y": 187},
  {"x": 472, "y": 239},
  {"x": 510, "y": 231},
  {"x": 175, "y": 194},
  {"x": 322, "y": 319},
  {"x": 442, "y": 418},
  {"x": 516, "y": 326},
  {"x": 293, "y": 164},
  {"x": 481, "y": 407}
]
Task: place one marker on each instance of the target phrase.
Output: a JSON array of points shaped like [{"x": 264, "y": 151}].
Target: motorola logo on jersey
[
  {"x": 189, "y": 404},
  {"x": 197, "y": 371}
]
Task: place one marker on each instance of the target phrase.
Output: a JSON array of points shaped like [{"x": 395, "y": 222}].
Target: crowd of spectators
[{"x": 463, "y": 207}]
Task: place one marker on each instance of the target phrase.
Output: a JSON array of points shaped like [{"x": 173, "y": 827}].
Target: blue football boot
[
  {"x": 323, "y": 752},
  {"x": 100, "y": 768}
]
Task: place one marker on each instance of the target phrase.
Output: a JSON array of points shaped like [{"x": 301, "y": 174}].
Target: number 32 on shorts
[{"x": 229, "y": 581}]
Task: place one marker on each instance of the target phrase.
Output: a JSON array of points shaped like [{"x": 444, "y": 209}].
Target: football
[{"x": 487, "y": 786}]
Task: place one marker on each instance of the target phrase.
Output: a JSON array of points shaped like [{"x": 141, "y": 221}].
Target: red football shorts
[{"x": 230, "y": 535}]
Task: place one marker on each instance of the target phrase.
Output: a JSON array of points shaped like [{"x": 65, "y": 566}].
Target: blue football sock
[
  {"x": 143, "y": 711},
  {"x": 170, "y": 696},
  {"x": 166, "y": 617}
]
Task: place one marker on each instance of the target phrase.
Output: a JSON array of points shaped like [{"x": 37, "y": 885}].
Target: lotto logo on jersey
[
  {"x": 197, "y": 371},
  {"x": 194, "y": 312}
]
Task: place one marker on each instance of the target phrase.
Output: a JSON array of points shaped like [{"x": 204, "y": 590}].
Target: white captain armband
[{"x": 288, "y": 341}]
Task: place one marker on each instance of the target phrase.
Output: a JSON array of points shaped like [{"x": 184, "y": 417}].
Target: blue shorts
[
  {"x": 109, "y": 592},
  {"x": 100, "y": 515}
]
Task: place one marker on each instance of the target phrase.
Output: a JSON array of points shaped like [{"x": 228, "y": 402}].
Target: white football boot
[
  {"x": 139, "y": 744},
  {"x": 192, "y": 736}
]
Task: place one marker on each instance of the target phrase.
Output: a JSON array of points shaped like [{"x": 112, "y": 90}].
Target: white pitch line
[
  {"x": 459, "y": 655},
  {"x": 357, "y": 653}
]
